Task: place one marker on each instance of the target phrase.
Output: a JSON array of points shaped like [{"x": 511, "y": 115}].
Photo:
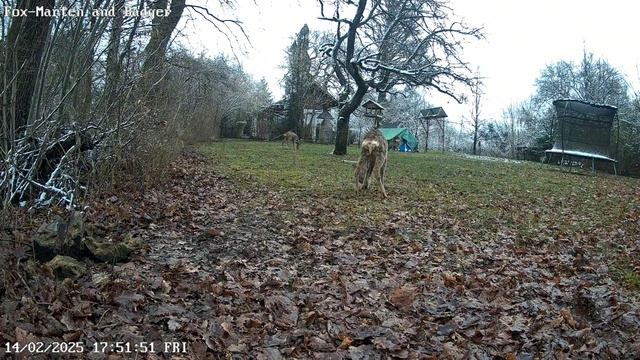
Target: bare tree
[
  {"x": 155, "y": 51},
  {"x": 515, "y": 115},
  {"x": 70, "y": 104},
  {"x": 321, "y": 70},
  {"x": 403, "y": 110},
  {"x": 42, "y": 159},
  {"x": 390, "y": 45},
  {"x": 592, "y": 80},
  {"x": 25, "y": 45},
  {"x": 476, "y": 94}
]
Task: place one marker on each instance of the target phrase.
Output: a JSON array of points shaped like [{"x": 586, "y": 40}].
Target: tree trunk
[
  {"x": 156, "y": 49},
  {"x": 25, "y": 45},
  {"x": 342, "y": 134},
  {"x": 475, "y": 140},
  {"x": 83, "y": 94},
  {"x": 114, "y": 68},
  {"x": 64, "y": 116},
  {"x": 513, "y": 138},
  {"x": 348, "y": 107},
  {"x": 295, "y": 116},
  {"x": 426, "y": 142}
]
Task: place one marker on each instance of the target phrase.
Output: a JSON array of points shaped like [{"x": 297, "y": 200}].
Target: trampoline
[{"x": 583, "y": 132}]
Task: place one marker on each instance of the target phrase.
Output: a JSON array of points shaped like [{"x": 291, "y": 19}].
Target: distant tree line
[{"x": 374, "y": 65}]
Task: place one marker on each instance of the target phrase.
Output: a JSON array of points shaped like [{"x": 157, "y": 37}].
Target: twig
[
  {"x": 25, "y": 283},
  {"x": 102, "y": 316}
]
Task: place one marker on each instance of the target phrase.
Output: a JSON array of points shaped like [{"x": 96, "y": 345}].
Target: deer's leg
[
  {"x": 361, "y": 176},
  {"x": 359, "y": 184},
  {"x": 379, "y": 172},
  {"x": 369, "y": 169}
]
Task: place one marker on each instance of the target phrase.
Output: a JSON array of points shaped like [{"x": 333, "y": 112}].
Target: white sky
[{"x": 521, "y": 38}]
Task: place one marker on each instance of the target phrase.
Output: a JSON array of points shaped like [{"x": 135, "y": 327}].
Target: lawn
[
  {"x": 467, "y": 258},
  {"x": 528, "y": 200}
]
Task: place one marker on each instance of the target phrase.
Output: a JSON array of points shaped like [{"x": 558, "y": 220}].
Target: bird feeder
[
  {"x": 373, "y": 110},
  {"x": 326, "y": 115},
  {"x": 324, "y": 130}
]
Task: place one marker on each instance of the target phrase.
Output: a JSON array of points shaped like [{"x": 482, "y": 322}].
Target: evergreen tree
[{"x": 297, "y": 81}]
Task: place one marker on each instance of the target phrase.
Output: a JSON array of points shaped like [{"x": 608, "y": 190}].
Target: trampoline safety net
[{"x": 583, "y": 127}]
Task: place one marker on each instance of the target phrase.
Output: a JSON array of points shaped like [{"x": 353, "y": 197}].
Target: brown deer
[
  {"x": 373, "y": 160},
  {"x": 291, "y": 137}
]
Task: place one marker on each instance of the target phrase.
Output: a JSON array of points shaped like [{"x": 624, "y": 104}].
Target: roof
[
  {"x": 325, "y": 115},
  {"x": 317, "y": 98},
  {"x": 390, "y": 133},
  {"x": 320, "y": 98},
  {"x": 370, "y": 104},
  {"x": 278, "y": 108},
  {"x": 434, "y": 113},
  {"x": 403, "y": 133}
]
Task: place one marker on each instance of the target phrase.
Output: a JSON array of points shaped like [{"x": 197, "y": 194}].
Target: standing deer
[
  {"x": 291, "y": 137},
  {"x": 373, "y": 160}
]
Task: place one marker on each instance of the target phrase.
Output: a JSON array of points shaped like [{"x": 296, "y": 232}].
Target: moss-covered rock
[
  {"x": 133, "y": 242},
  {"x": 106, "y": 251},
  {"x": 68, "y": 237},
  {"x": 46, "y": 244},
  {"x": 100, "y": 279},
  {"x": 60, "y": 237},
  {"x": 66, "y": 267}
]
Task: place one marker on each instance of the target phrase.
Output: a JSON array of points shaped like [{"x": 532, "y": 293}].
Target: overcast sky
[{"x": 521, "y": 38}]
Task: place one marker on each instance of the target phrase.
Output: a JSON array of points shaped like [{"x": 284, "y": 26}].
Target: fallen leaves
[
  {"x": 241, "y": 270},
  {"x": 403, "y": 297},
  {"x": 345, "y": 342},
  {"x": 283, "y": 310}
]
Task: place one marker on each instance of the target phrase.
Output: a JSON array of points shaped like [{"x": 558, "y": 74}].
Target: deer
[
  {"x": 291, "y": 137},
  {"x": 373, "y": 161}
]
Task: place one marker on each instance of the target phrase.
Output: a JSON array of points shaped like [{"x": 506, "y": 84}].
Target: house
[{"x": 316, "y": 123}]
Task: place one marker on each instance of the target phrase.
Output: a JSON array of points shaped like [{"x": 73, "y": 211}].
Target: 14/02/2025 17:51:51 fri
[
  {"x": 141, "y": 347},
  {"x": 40, "y": 347}
]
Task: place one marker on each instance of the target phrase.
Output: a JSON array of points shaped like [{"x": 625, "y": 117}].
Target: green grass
[
  {"x": 630, "y": 278},
  {"x": 522, "y": 193},
  {"x": 527, "y": 201}
]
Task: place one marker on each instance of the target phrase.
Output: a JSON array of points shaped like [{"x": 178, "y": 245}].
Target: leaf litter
[{"x": 240, "y": 271}]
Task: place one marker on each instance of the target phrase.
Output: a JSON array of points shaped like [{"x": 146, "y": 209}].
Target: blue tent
[{"x": 409, "y": 141}]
